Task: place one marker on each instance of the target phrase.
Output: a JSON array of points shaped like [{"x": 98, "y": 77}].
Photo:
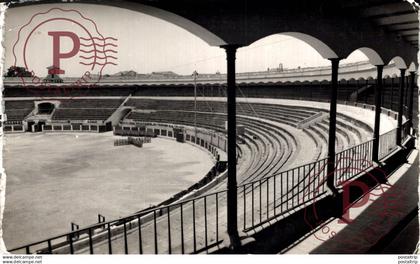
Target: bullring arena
[{"x": 158, "y": 164}]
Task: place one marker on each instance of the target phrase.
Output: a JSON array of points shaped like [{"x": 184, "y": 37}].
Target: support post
[
  {"x": 366, "y": 94},
  {"x": 378, "y": 110},
  {"x": 332, "y": 126},
  {"x": 410, "y": 98},
  {"x": 357, "y": 90},
  {"x": 400, "y": 106},
  {"x": 392, "y": 94},
  {"x": 232, "y": 203},
  {"x": 195, "y": 74}
]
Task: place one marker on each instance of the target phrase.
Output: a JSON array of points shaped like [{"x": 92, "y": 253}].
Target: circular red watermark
[
  {"x": 70, "y": 49},
  {"x": 385, "y": 201}
]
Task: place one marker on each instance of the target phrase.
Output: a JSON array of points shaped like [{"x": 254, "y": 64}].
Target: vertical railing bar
[
  {"x": 349, "y": 158},
  {"x": 306, "y": 183},
  {"x": 252, "y": 203},
  {"x": 49, "y": 246},
  {"x": 244, "y": 206},
  {"x": 217, "y": 217},
  {"x": 352, "y": 162},
  {"x": 169, "y": 231},
  {"x": 28, "y": 250},
  {"x": 205, "y": 222},
  {"x": 363, "y": 150},
  {"x": 314, "y": 173},
  {"x": 293, "y": 182},
  {"x": 109, "y": 239},
  {"x": 194, "y": 235},
  {"x": 275, "y": 195},
  {"x": 71, "y": 244},
  {"x": 260, "y": 201},
  {"x": 182, "y": 229},
  {"x": 140, "y": 237},
  {"x": 125, "y": 238},
  {"x": 287, "y": 190},
  {"x": 358, "y": 156},
  {"x": 90, "y": 241},
  {"x": 318, "y": 173},
  {"x": 302, "y": 178},
  {"x": 343, "y": 165},
  {"x": 155, "y": 232},
  {"x": 268, "y": 198},
  {"x": 346, "y": 159}
]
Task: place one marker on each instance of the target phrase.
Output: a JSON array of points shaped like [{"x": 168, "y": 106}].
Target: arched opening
[
  {"x": 284, "y": 51},
  {"x": 412, "y": 67},
  {"x": 373, "y": 57},
  {"x": 390, "y": 98},
  {"x": 398, "y": 62},
  {"x": 45, "y": 108},
  {"x": 325, "y": 51},
  {"x": 354, "y": 71}
]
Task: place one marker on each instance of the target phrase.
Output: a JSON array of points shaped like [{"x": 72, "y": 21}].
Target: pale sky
[{"x": 144, "y": 44}]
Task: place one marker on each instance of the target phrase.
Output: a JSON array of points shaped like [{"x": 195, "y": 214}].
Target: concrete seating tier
[
  {"x": 86, "y": 109},
  {"x": 91, "y": 103},
  {"x": 218, "y": 107},
  {"x": 82, "y": 114},
  {"x": 347, "y": 133},
  {"x": 18, "y": 110},
  {"x": 279, "y": 149},
  {"x": 320, "y": 141},
  {"x": 272, "y": 145}
]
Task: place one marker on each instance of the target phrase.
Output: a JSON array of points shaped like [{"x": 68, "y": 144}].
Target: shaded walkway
[{"x": 367, "y": 233}]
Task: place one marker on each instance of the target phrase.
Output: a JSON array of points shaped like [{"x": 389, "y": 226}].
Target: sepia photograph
[{"x": 241, "y": 127}]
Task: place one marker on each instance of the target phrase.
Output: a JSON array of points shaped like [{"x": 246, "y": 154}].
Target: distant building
[
  {"x": 53, "y": 75},
  {"x": 279, "y": 69}
]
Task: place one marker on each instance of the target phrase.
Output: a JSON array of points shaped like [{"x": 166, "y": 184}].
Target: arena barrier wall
[{"x": 75, "y": 127}]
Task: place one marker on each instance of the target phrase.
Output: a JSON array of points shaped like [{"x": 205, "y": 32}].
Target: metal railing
[
  {"x": 405, "y": 130},
  {"x": 387, "y": 143},
  {"x": 267, "y": 198},
  {"x": 188, "y": 226},
  {"x": 353, "y": 161}
]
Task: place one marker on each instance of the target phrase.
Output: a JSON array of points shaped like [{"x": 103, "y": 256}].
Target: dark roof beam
[
  {"x": 404, "y": 26},
  {"x": 364, "y": 4},
  {"x": 392, "y": 20},
  {"x": 412, "y": 38},
  {"x": 387, "y": 10},
  {"x": 408, "y": 32}
]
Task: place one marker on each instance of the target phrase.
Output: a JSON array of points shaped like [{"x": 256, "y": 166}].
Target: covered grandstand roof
[
  {"x": 393, "y": 15},
  {"x": 335, "y": 28}
]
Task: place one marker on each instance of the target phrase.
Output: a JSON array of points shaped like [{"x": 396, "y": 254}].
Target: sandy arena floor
[{"x": 55, "y": 179}]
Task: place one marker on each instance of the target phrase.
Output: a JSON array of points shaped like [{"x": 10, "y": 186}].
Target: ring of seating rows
[
  {"x": 269, "y": 145},
  {"x": 213, "y": 115},
  {"x": 267, "y": 149}
]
